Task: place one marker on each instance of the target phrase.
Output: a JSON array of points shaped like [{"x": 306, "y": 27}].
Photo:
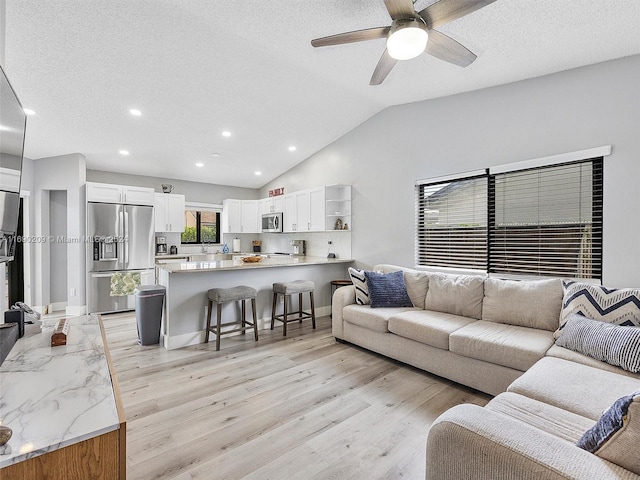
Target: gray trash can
[{"x": 149, "y": 300}]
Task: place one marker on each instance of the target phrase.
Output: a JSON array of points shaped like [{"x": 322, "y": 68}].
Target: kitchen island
[
  {"x": 63, "y": 406},
  {"x": 187, "y": 284}
]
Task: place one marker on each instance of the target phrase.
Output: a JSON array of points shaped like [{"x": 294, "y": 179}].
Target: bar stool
[
  {"x": 224, "y": 295},
  {"x": 291, "y": 288}
]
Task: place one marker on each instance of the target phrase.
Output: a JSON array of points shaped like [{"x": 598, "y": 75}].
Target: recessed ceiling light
[
  {"x": 226, "y": 133},
  {"x": 258, "y": 173},
  {"x": 124, "y": 152},
  {"x": 215, "y": 155},
  {"x": 135, "y": 112},
  {"x": 28, "y": 111},
  {"x": 292, "y": 148},
  {"x": 199, "y": 164}
]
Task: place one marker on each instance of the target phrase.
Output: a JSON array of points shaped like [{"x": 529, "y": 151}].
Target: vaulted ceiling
[{"x": 195, "y": 69}]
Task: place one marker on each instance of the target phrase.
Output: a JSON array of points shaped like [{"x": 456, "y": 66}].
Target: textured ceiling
[{"x": 196, "y": 68}]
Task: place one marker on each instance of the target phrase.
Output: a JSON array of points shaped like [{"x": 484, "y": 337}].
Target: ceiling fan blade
[
  {"x": 351, "y": 37},
  {"x": 400, "y": 8},
  {"x": 445, "y": 11},
  {"x": 385, "y": 64},
  {"x": 446, "y": 48}
]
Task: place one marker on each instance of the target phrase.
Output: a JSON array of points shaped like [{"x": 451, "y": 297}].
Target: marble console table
[
  {"x": 187, "y": 284},
  {"x": 63, "y": 406}
]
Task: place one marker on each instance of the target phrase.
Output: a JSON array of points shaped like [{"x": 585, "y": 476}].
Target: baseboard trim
[{"x": 76, "y": 310}]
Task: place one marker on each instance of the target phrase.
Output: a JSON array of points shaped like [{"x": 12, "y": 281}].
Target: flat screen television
[{"x": 13, "y": 123}]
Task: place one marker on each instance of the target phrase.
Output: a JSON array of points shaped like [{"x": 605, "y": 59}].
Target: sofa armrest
[
  {"x": 471, "y": 442},
  {"x": 342, "y": 297}
]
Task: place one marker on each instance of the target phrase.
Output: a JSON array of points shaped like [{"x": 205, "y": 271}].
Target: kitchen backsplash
[{"x": 317, "y": 243}]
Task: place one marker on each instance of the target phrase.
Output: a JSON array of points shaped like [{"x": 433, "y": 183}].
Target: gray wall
[
  {"x": 564, "y": 112},
  {"x": 65, "y": 172},
  {"x": 58, "y": 250},
  {"x": 193, "y": 191}
]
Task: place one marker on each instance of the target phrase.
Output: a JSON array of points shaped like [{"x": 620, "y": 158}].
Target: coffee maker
[
  {"x": 299, "y": 247},
  {"x": 161, "y": 245}
]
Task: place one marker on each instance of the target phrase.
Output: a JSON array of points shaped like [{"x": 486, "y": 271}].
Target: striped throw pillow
[
  {"x": 613, "y": 344},
  {"x": 620, "y": 306},
  {"x": 359, "y": 281}
]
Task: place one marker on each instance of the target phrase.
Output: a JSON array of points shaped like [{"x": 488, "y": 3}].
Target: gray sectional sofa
[{"x": 497, "y": 336}]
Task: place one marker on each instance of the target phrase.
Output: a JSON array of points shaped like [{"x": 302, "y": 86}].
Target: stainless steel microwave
[{"x": 272, "y": 222}]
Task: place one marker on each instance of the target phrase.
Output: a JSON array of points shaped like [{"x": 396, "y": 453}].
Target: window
[
  {"x": 201, "y": 227},
  {"x": 452, "y": 223},
  {"x": 543, "y": 221},
  {"x": 547, "y": 221}
]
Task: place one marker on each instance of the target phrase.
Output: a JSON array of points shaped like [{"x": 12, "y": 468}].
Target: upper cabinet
[
  {"x": 304, "y": 211},
  {"x": 338, "y": 207},
  {"x": 108, "y": 193},
  {"x": 169, "y": 212},
  {"x": 271, "y": 205},
  {"x": 313, "y": 210},
  {"x": 249, "y": 220},
  {"x": 240, "y": 216},
  {"x": 231, "y": 216}
]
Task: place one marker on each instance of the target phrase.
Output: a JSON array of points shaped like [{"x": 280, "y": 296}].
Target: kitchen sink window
[{"x": 201, "y": 226}]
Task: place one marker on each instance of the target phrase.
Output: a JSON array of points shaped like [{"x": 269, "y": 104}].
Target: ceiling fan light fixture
[{"x": 407, "y": 39}]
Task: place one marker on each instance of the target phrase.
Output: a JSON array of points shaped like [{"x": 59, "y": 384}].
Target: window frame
[{"x": 199, "y": 211}]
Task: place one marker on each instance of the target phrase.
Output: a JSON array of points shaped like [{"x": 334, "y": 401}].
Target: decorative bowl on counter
[{"x": 252, "y": 259}]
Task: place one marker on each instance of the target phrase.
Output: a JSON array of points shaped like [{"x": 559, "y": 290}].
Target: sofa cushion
[
  {"x": 566, "y": 354},
  {"x": 387, "y": 290},
  {"x": 614, "y": 344},
  {"x": 580, "y": 389},
  {"x": 556, "y": 421},
  {"x": 456, "y": 294},
  {"x": 534, "y": 304},
  {"x": 507, "y": 345},
  {"x": 612, "y": 305},
  {"x": 360, "y": 283},
  {"x": 428, "y": 327},
  {"x": 372, "y": 318},
  {"x": 417, "y": 284}
]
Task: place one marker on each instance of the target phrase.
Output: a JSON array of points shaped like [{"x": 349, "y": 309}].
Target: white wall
[{"x": 564, "y": 112}]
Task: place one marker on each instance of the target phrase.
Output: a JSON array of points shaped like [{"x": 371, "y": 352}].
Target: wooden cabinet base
[{"x": 97, "y": 458}]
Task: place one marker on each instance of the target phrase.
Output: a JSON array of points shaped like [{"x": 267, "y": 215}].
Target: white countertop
[
  {"x": 52, "y": 397},
  {"x": 277, "y": 261}
]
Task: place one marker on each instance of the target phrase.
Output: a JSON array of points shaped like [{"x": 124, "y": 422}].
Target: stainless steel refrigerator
[{"x": 119, "y": 254}]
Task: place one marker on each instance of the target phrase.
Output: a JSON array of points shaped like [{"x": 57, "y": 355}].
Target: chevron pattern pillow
[
  {"x": 620, "y": 306},
  {"x": 360, "y": 283}
]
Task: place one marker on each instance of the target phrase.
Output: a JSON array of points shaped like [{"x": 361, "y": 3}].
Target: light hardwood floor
[{"x": 300, "y": 407}]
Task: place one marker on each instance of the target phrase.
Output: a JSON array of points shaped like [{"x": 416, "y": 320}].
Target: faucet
[{"x": 205, "y": 248}]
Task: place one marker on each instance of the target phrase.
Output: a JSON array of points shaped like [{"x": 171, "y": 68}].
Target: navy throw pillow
[{"x": 387, "y": 290}]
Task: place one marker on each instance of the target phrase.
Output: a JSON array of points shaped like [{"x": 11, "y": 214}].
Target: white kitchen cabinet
[
  {"x": 240, "y": 216},
  {"x": 169, "y": 212},
  {"x": 290, "y": 213},
  {"x": 271, "y": 204},
  {"x": 231, "y": 216},
  {"x": 249, "y": 220},
  {"x": 316, "y": 209},
  {"x": 110, "y": 193},
  {"x": 304, "y": 211}
]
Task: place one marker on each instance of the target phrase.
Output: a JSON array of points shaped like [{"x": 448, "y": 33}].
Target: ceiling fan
[{"x": 412, "y": 33}]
